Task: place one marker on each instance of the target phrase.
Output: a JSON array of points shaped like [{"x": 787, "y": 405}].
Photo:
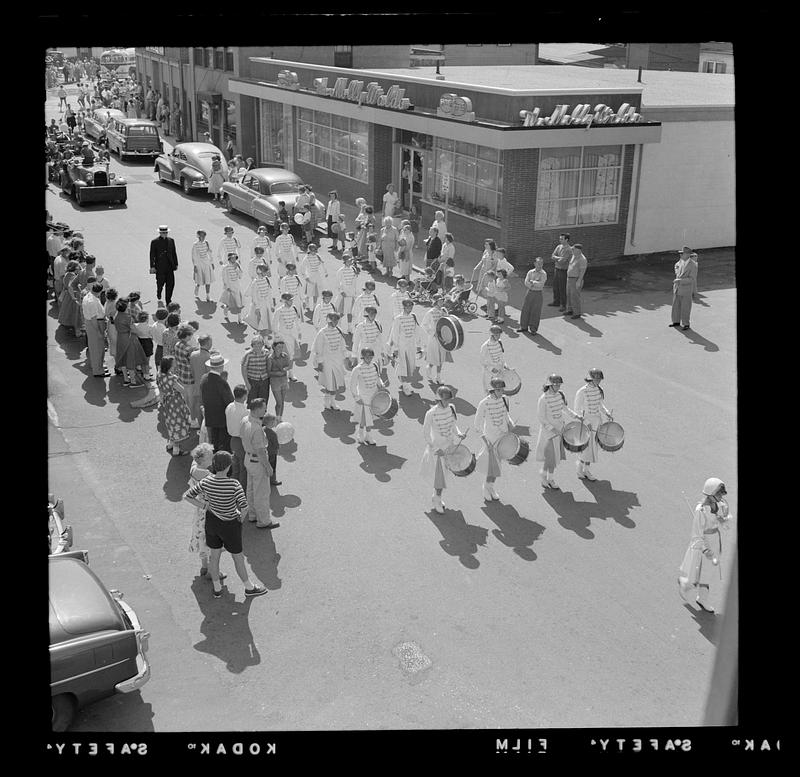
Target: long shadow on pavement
[
  {"x": 414, "y": 406},
  {"x": 708, "y": 623},
  {"x": 72, "y": 346},
  {"x": 261, "y": 554},
  {"x": 177, "y": 477},
  {"x": 297, "y": 395},
  {"x": 546, "y": 345},
  {"x": 612, "y": 503},
  {"x": 339, "y": 424},
  {"x": 279, "y": 502},
  {"x": 226, "y": 626},
  {"x": 379, "y": 462},
  {"x": 205, "y": 309},
  {"x": 572, "y": 515},
  {"x": 287, "y": 451},
  {"x": 581, "y": 323},
  {"x": 236, "y": 332},
  {"x": 697, "y": 339},
  {"x": 513, "y": 530},
  {"x": 461, "y": 539}
]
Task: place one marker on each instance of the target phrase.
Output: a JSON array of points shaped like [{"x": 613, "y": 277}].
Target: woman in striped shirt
[
  {"x": 231, "y": 298},
  {"x": 225, "y": 502},
  {"x": 259, "y": 316},
  {"x": 285, "y": 249},
  {"x": 291, "y": 284}
]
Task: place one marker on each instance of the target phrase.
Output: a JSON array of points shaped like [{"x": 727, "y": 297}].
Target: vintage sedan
[
  {"x": 189, "y": 165},
  {"x": 92, "y": 183},
  {"x": 96, "y": 121},
  {"x": 258, "y": 192},
  {"x": 97, "y": 644}
]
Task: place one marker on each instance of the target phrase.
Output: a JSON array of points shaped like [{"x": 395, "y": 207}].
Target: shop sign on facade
[
  {"x": 582, "y": 115},
  {"x": 445, "y": 184},
  {"x": 453, "y": 106},
  {"x": 373, "y": 94}
]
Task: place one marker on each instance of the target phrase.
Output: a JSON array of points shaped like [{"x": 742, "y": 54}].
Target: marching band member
[
  {"x": 397, "y": 297},
  {"x": 367, "y": 297},
  {"x": 440, "y": 432},
  {"x": 287, "y": 324},
  {"x": 492, "y": 356},
  {"x": 259, "y": 315},
  {"x": 231, "y": 298},
  {"x": 259, "y": 258},
  {"x": 284, "y": 250},
  {"x": 228, "y": 245},
  {"x": 435, "y": 355},
  {"x": 365, "y": 380},
  {"x": 589, "y": 403},
  {"x": 346, "y": 281},
  {"x": 328, "y": 352},
  {"x": 203, "y": 264},
  {"x": 492, "y": 421},
  {"x": 324, "y": 306},
  {"x": 369, "y": 334},
  {"x": 313, "y": 270},
  {"x": 549, "y": 445},
  {"x": 701, "y": 562},
  {"x": 404, "y": 341},
  {"x": 262, "y": 240},
  {"x": 291, "y": 284}
]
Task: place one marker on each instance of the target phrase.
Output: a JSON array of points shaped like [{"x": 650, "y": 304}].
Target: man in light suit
[
  {"x": 682, "y": 288},
  {"x": 163, "y": 262}
]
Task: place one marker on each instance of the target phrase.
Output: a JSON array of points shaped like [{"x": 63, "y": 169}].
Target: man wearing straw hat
[
  {"x": 682, "y": 288},
  {"x": 589, "y": 403},
  {"x": 163, "y": 262},
  {"x": 216, "y": 395}
]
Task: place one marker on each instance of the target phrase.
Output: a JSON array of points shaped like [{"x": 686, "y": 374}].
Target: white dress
[
  {"x": 406, "y": 338},
  {"x": 259, "y": 314},
  {"x": 492, "y": 421},
  {"x": 440, "y": 432},
  {"x": 697, "y": 568},
  {"x": 203, "y": 263},
  {"x": 492, "y": 358},
  {"x": 552, "y": 411},
  {"x": 328, "y": 351},
  {"x": 364, "y": 382},
  {"x": 287, "y": 324},
  {"x": 232, "y": 288},
  {"x": 389, "y": 203},
  {"x": 589, "y": 400},
  {"x": 434, "y": 353}
]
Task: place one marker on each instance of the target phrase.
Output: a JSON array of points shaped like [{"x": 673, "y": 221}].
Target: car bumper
[
  {"x": 199, "y": 184},
  {"x": 142, "y": 666},
  {"x": 102, "y": 193},
  {"x": 141, "y": 152}
]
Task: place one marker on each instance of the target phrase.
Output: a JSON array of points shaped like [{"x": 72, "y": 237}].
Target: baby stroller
[
  {"x": 462, "y": 303},
  {"x": 423, "y": 290}
]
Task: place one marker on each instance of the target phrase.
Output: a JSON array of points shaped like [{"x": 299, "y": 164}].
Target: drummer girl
[
  {"x": 492, "y": 356},
  {"x": 549, "y": 445},
  {"x": 492, "y": 421},
  {"x": 435, "y": 355},
  {"x": 365, "y": 381},
  {"x": 287, "y": 325},
  {"x": 589, "y": 402},
  {"x": 440, "y": 432}
]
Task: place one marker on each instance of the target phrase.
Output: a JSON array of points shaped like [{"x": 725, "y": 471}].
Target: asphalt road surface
[{"x": 556, "y": 609}]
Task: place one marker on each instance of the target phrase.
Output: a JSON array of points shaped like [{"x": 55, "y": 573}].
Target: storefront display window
[
  {"x": 333, "y": 142},
  {"x": 578, "y": 186},
  {"x": 230, "y": 120},
  {"x": 272, "y": 147},
  {"x": 476, "y": 178}
]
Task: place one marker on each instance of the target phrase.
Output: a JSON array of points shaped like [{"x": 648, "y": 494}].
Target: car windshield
[
  {"x": 143, "y": 129},
  {"x": 284, "y": 187}
]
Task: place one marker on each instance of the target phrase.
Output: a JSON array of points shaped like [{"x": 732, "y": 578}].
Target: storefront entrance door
[{"x": 410, "y": 178}]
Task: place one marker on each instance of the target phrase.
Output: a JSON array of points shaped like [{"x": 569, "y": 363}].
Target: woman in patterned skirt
[
  {"x": 130, "y": 355},
  {"x": 70, "y": 313},
  {"x": 201, "y": 464},
  {"x": 173, "y": 411}
]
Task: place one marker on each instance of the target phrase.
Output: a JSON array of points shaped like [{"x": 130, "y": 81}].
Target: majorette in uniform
[
  {"x": 259, "y": 315},
  {"x": 369, "y": 334},
  {"x": 328, "y": 352},
  {"x": 324, "y": 306},
  {"x": 367, "y": 297},
  {"x": 287, "y": 324},
  {"x": 365, "y": 380},
  {"x": 315, "y": 274},
  {"x": 284, "y": 250},
  {"x": 228, "y": 245},
  {"x": 397, "y": 297},
  {"x": 203, "y": 265},
  {"x": 232, "y": 298},
  {"x": 261, "y": 240},
  {"x": 701, "y": 563},
  {"x": 405, "y": 340},
  {"x": 435, "y": 355},
  {"x": 589, "y": 402},
  {"x": 552, "y": 411},
  {"x": 492, "y": 421},
  {"x": 259, "y": 258},
  {"x": 493, "y": 358},
  {"x": 440, "y": 431},
  {"x": 346, "y": 278},
  {"x": 291, "y": 283}
]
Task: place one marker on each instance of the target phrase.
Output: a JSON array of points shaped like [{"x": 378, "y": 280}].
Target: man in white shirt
[
  {"x": 235, "y": 412},
  {"x": 94, "y": 314}
]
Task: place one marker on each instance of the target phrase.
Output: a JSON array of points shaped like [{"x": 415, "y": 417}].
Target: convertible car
[
  {"x": 258, "y": 192},
  {"x": 92, "y": 183},
  {"x": 188, "y": 165},
  {"x": 95, "y": 122}
]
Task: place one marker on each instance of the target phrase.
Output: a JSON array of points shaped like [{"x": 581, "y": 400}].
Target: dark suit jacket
[
  {"x": 216, "y": 395},
  {"x": 434, "y": 249},
  {"x": 163, "y": 255}
]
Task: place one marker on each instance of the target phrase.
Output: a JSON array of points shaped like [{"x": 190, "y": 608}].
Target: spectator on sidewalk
[
  {"x": 440, "y": 224},
  {"x": 433, "y": 245},
  {"x": 405, "y": 253},
  {"x": 561, "y": 257},
  {"x": 390, "y": 201},
  {"x": 235, "y": 413},
  {"x": 183, "y": 368},
  {"x": 198, "y": 361},
  {"x": 259, "y": 471},
  {"x": 575, "y": 274},
  {"x": 94, "y": 316},
  {"x": 269, "y": 423},
  {"x": 531, "y": 312},
  {"x": 202, "y": 457},
  {"x": 447, "y": 262},
  {"x": 683, "y": 288},
  {"x": 216, "y": 395},
  {"x": 172, "y": 410},
  {"x": 62, "y": 97}
]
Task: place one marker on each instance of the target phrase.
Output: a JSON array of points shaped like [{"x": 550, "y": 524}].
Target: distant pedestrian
[
  {"x": 405, "y": 246},
  {"x": 390, "y": 201},
  {"x": 531, "y": 312},
  {"x": 60, "y": 263},
  {"x": 198, "y": 361},
  {"x": 163, "y": 262},
  {"x": 387, "y": 244},
  {"x": 332, "y": 213},
  {"x": 447, "y": 262},
  {"x": 225, "y": 502},
  {"x": 202, "y": 265},
  {"x": 143, "y": 330},
  {"x": 433, "y": 245},
  {"x": 62, "y": 97},
  {"x": 269, "y": 422},
  {"x": 216, "y": 395},
  {"x": 255, "y": 372},
  {"x": 157, "y": 329},
  {"x": 440, "y": 223},
  {"x": 561, "y": 257},
  {"x": 110, "y": 310},
  {"x": 488, "y": 261},
  {"x": 217, "y": 177},
  {"x": 575, "y": 274},
  {"x": 683, "y": 287}
]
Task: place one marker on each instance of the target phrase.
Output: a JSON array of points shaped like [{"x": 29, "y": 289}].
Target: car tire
[
  {"x": 186, "y": 186},
  {"x": 63, "y": 711},
  {"x": 226, "y": 203}
]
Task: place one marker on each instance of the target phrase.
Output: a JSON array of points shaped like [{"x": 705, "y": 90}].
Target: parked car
[
  {"x": 134, "y": 137},
  {"x": 92, "y": 183},
  {"x": 97, "y": 644},
  {"x": 258, "y": 192},
  {"x": 188, "y": 165},
  {"x": 96, "y": 121}
]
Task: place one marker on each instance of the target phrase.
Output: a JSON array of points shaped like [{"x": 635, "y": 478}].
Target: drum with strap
[
  {"x": 512, "y": 380},
  {"x": 460, "y": 460},
  {"x": 284, "y": 431},
  {"x": 450, "y": 333},
  {"x": 610, "y": 436},
  {"x": 575, "y": 436},
  {"x": 512, "y": 448},
  {"x": 383, "y": 404},
  {"x": 302, "y": 218}
]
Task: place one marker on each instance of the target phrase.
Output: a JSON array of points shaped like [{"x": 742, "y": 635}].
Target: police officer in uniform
[{"x": 163, "y": 262}]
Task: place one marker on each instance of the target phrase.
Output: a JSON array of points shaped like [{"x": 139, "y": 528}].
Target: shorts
[{"x": 223, "y": 534}]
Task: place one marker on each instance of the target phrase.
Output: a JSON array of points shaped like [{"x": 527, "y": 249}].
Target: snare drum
[
  {"x": 512, "y": 380},
  {"x": 383, "y": 404},
  {"x": 610, "y": 436},
  {"x": 512, "y": 448},
  {"x": 460, "y": 460},
  {"x": 575, "y": 436}
]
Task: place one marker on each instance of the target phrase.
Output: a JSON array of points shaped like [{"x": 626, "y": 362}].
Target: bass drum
[
  {"x": 512, "y": 448},
  {"x": 284, "y": 431},
  {"x": 575, "y": 436},
  {"x": 460, "y": 460},
  {"x": 383, "y": 404},
  {"x": 610, "y": 436},
  {"x": 512, "y": 380},
  {"x": 450, "y": 333}
]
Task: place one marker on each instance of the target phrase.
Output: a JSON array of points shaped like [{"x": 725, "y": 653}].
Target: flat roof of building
[
  {"x": 569, "y": 52},
  {"x": 661, "y": 89}
]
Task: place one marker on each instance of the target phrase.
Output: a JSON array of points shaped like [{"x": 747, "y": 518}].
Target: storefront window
[
  {"x": 272, "y": 148},
  {"x": 476, "y": 177},
  {"x": 230, "y": 120},
  {"x": 203, "y": 116},
  {"x": 578, "y": 186},
  {"x": 334, "y": 143}
]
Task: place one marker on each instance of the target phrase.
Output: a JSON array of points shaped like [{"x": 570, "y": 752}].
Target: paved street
[{"x": 556, "y": 609}]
